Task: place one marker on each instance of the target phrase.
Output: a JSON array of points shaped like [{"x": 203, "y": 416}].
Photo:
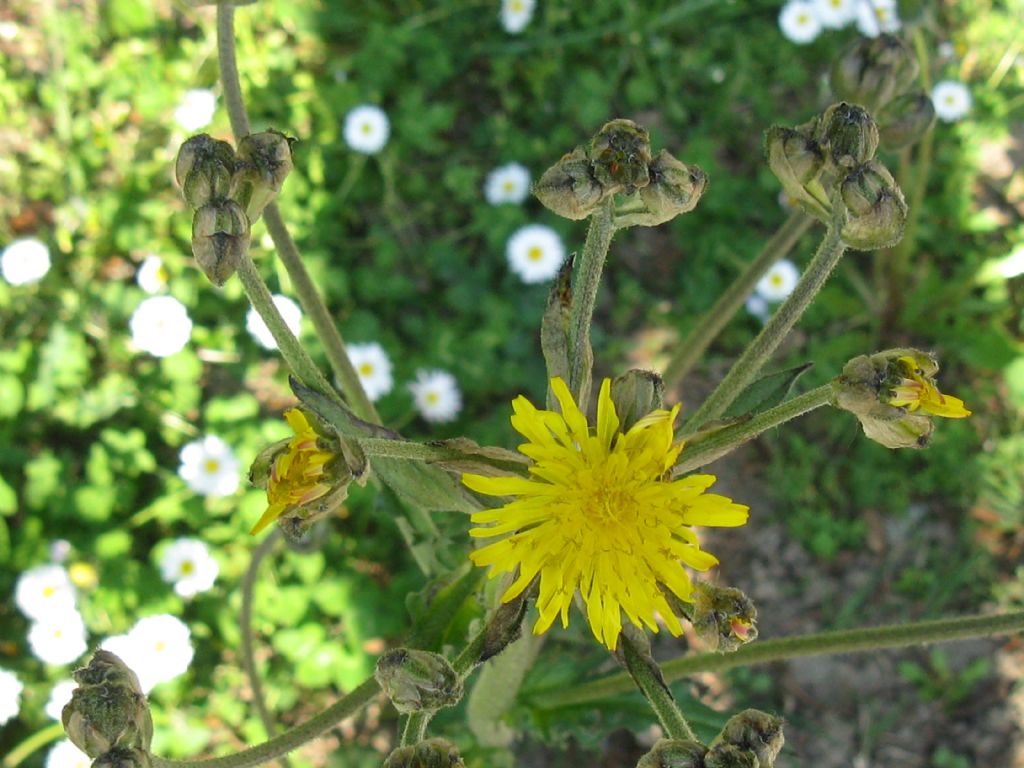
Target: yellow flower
[
  {"x": 917, "y": 392},
  {"x": 297, "y": 474},
  {"x": 600, "y": 515}
]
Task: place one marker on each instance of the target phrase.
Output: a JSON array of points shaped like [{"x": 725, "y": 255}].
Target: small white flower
[
  {"x": 58, "y": 640},
  {"x": 508, "y": 183},
  {"x": 758, "y": 307},
  {"x": 44, "y": 593},
  {"x": 798, "y": 21},
  {"x": 67, "y": 755},
  {"x": 952, "y": 100},
  {"x": 374, "y": 368},
  {"x": 946, "y": 50},
  {"x": 152, "y": 275},
  {"x": 437, "y": 395},
  {"x": 195, "y": 110},
  {"x": 157, "y": 649},
  {"x": 516, "y": 14},
  {"x": 161, "y": 326},
  {"x": 717, "y": 75},
  {"x": 779, "y": 281},
  {"x": 25, "y": 261},
  {"x": 877, "y": 16},
  {"x": 367, "y": 129},
  {"x": 291, "y": 313},
  {"x": 188, "y": 564},
  {"x": 10, "y": 695},
  {"x": 60, "y": 695},
  {"x": 209, "y": 467},
  {"x": 834, "y": 14},
  {"x": 535, "y": 252},
  {"x": 59, "y": 550}
]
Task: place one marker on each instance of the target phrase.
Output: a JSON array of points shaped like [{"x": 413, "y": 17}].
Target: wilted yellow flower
[
  {"x": 917, "y": 392},
  {"x": 600, "y": 514}
]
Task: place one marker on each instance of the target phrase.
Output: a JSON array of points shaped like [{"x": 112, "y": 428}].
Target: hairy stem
[
  {"x": 651, "y": 683},
  {"x": 818, "y": 644},
  {"x": 690, "y": 349}
]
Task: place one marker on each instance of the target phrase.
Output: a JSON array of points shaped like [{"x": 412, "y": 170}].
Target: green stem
[
  {"x": 706, "y": 450},
  {"x": 314, "y": 307},
  {"x": 415, "y": 728},
  {"x": 36, "y": 741},
  {"x": 245, "y": 627},
  {"x": 690, "y": 350},
  {"x": 644, "y": 671},
  {"x": 745, "y": 370},
  {"x": 818, "y": 644},
  {"x": 286, "y": 742},
  {"x": 584, "y": 297}
]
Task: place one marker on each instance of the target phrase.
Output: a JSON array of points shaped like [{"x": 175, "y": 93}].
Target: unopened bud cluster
[
  {"x": 833, "y": 154},
  {"x": 108, "y": 715},
  {"x": 880, "y": 73},
  {"x": 228, "y": 190},
  {"x": 751, "y": 739},
  {"x": 723, "y": 617},
  {"x": 432, "y": 753},
  {"x": 418, "y": 680},
  {"x": 619, "y": 160}
]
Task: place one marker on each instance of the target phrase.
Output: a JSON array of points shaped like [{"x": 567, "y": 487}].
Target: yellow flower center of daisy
[
  {"x": 508, "y": 186},
  {"x": 535, "y": 253},
  {"x": 160, "y": 646},
  {"x": 776, "y": 280},
  {"x": 49, "y": 591},
  {"x": 432, "y": 398},
  {"x": 365, "y": 369},
  {"x": 803, "y": 18},
  {"x": 837, "y": 3},
  {"x": 187, "y": 567},
  {"x": 366, "y": 128},
  {"x": 516, "y": 6},
  {"x": 211, "y": 465}
]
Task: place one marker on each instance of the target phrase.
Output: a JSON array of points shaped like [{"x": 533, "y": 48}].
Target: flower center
[
  {"x": 432, "y": 398},
  {"x": 366, "y": 128},
  {"x": 803, "y": 18},
  {"x": 211, "y": 465},
  {"x": 365, "y": 369},
  {"x": 508, "y": 186},
  {"x": 776, "y": 280},
  {"x": 159, "y": 646},
  {"x": 187, "y": 567},
  {"x": 516, "y": 6},
  {"x": 49, "y": 591},
  {"x": 535, "y": 253}
]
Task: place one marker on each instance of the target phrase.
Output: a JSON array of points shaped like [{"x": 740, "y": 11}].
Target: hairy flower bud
[
  {"x": 730, "y": 756},
  {"x": 220, "y": 238},
  {"x": 569, "y": 188},
  {"x": 108, "y": 708},
  {"x": 620, "y": 154},
  {"x": 797, "y": 158},
  {"x": 756, "y": 732},
  {"x": 264, "y": 161},
  {"x": 849, "y": 133},
  {"x": 674, "y": 753},
  {"x": 905, "y": 119},
  {"x": 203, "y": 169},
  {"x": 873, "y": 71},
  {"x": 636, "y": 393},
  {"x": 418, "y": 680},
  {"x": 724, "y": 617},
  {"x": 674, "y": 188},
  {"x": 123, "y": 758},
  {"x": 877, "y": 211},
  {"x": 432, "y": 753}
]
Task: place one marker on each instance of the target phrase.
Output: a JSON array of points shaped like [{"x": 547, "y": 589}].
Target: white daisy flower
[
  {"x": 757, "y": 305},
  {"x": 66, "y": 755},
  {"x": 196, "y": 109},
  {"x": 834, "y": 14},
  {"x": 437, "y": 395},
  {"x": 779, "y": 281},
  {"x": 877, "y": 16},
  {"x": 367, "y": 129},
  {"x": 516, "y": 14},
  {"x": 25, "y": 261},
  {"x": 161, "y": 326},
  {"x": 209, "y": 467},
  {"x": 157, "y": 649},
  {"x": 799, "y": 22},
  {"x": 508, "y": 183},
  {"x": 58, "y": 640},
  {"x": 152, "y": 276},
  {"x": 60, "y": 695},
  {"x": 10, "y": 695},
  {"x": 189, "y": 566},
  {"x": 44, "y": 592},
  {"x": 535, "y": 252},
  {"x": 374, "y": 368},
  {"x": 291, "y": 313},
  {"x": 952, "y": 100}
]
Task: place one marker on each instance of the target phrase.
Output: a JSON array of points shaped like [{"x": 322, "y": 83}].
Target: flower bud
[
  {"x": 108, "y": 708},
  {"x": 796, "y": 159},
  {"x": 672, "y": 753},
  {"x": 723, "y": 617},
  {"x": 730, "y": 756},
  {"x": 756, "y": 732},
  {"x": 877, "y": 211},
  {"x": 674, "y": 188},
  {"x": 620, "y": 154},
  {"x": 432, "y": 753},
  {"x": 203, "y": 169},
  {"x": 569, "y": 188},
  {"x": 905, "y": 119},
  {"x": 636, "y": 393},
  {"x": 123, "y": 758},
  {"x": 418, "y": 680},
  {"x": 850, "y": 134},
  {"x": 220, "y": 238},
  {"x": 873, "y": 71},
  {"x": 264, "y": 161}
]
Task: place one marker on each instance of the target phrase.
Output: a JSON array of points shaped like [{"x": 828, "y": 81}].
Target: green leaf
[
  {"x": 8, "y": 499},
  {"x": 767, "y": 392},
  {"x": 12, "y": 395}
]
